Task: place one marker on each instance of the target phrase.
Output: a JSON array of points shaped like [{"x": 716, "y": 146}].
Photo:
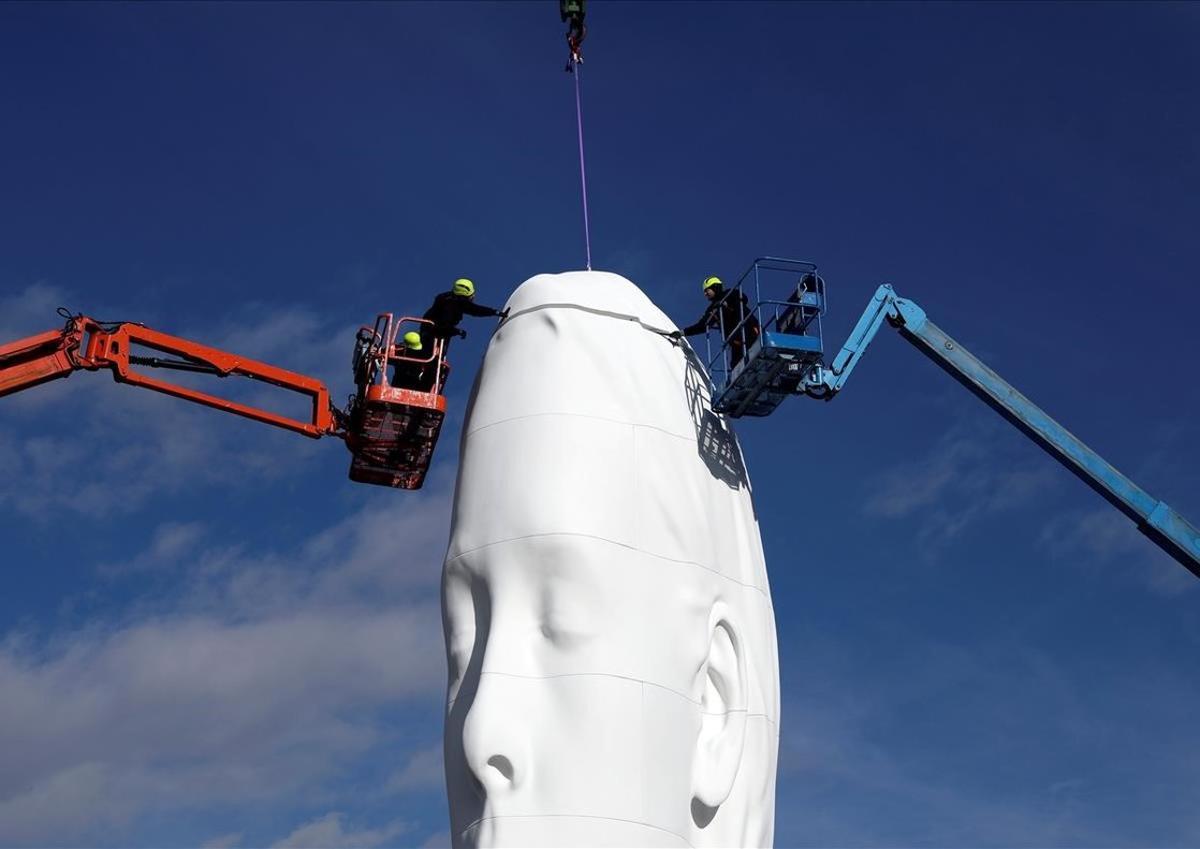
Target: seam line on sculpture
[
  {"x": 771, "y": 723},
  {"x": 729, "y": 578},
  {"x": 593, "y": 310},
  {"x": 643, "y": 811},
  {"x": 482, "y": 820},
  {"x": 630, "y": 679},
  {"x": 680, "y": 436},
  {"x": 636, "y": 470}
]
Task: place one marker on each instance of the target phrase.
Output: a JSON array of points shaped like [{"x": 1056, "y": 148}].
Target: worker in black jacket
[
  {"x": 413, "y": 367},
  {"x": 726, "y": 312},
  {"x": 448, "y": 310}
]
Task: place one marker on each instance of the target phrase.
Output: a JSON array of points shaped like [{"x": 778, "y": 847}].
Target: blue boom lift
[{"x": 785, "y": 356}]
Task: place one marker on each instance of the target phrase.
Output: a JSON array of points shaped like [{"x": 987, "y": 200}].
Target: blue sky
[{"x": 203, "y": 643}]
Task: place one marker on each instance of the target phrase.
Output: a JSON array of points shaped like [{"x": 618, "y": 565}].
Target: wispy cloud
[
  {"x": 68, "y": 446},
  {"x": 998, "y": 744},
  {"x": 329, "y": 832},
  {"x": 255, "y": 679},
  {"x": 423, "y": 771},
  {"x": 1104, "y": 537},
  {"x": 171, "y": 544},
  {"x": 30, "y": 310},
  {"x": 238, "y": 677},
  {"x": 439, "y": 840},
  {"x": 969, "y": 473}
]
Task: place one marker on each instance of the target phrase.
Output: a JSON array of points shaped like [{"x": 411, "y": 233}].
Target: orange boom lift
[{"x": 391, "y": 431}]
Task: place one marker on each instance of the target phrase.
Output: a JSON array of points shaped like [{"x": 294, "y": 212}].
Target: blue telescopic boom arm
[{"x": 1169, "y": 530}]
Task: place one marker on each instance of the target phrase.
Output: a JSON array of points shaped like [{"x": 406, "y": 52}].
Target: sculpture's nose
[{"x": 494, "y": 737}]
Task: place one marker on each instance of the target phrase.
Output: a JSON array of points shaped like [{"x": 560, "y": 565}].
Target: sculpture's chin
[{"x": 566, "y": 830}]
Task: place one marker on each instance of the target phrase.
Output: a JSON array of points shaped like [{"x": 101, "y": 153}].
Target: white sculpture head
[{"x": 611, "y": 642}]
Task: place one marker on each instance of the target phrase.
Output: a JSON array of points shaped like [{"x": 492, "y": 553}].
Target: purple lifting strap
[{"x": 587, "y": 236}]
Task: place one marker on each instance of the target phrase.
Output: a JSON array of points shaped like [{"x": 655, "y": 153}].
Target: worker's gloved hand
[{"x": 676, "y": 335}]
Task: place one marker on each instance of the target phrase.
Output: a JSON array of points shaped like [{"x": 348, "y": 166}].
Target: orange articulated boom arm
[
  {"x": 112, "y": 349},
  {"x": 390, "y": 429},
  {"x": 88, "y": 344},
  {"x": 38, "y": 359}
]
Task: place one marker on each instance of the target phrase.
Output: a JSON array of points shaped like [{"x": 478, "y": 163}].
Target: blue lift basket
[{"x": 766, "y": 356}]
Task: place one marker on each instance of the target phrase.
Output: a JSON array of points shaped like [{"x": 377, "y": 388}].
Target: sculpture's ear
[{"x": 723, "y": 717}]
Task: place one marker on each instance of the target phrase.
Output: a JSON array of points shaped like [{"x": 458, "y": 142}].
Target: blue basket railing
[{"x": 797, "y": 313}]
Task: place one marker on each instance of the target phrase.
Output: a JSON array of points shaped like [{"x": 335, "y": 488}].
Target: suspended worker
[
  {"x": 728, "y": 312},
  {"x": 448, "y": 310},
  {"x": 572, "y": 13},
  {"x": 414, "y": 368}
]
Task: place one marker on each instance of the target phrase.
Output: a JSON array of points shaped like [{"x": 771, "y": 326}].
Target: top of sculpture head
[{"x": 608, "y": 621}]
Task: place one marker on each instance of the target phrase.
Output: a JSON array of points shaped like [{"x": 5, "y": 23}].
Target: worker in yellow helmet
[
  {"x": 415, "y": 368},
  {"x": 448, "y": 310},
  {"x": 729, "y": 312}
]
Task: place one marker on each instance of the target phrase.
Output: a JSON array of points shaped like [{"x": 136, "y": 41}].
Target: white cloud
[
  {"x": 1104, "y": 536},
  {"x": 170, "y": 544},
  {"x": 902, "y": 739},
  {"x": 424, "y": 771},
  {"x": 119, "y": 446},
  {"x": 968, "y": 474},
  {"x": 327, "y": 832},
  {"x": 30, "y": 311},
  {"x": 390, "y": 550},
  {"x": 109, "y": 449},
  {"x": 438, "y": 840},
  {"x": 184, "y": 712},
  {"x": 254, "y": 679},
  {"x": 80, "y": 799}
]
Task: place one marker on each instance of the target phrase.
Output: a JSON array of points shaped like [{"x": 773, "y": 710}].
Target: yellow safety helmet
[
  {"x": 709, "y": 282},
  {"x": 463, "y": 286},
  {"x": 412, "y": 340}
]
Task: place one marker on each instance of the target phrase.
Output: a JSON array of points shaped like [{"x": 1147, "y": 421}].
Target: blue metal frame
[
  {"x": 1167, "y": 528},
  {"x": 780, "y": 339}
]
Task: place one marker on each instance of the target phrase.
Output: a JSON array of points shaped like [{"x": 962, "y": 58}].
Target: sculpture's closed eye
[{"x": 561, "y": 635}]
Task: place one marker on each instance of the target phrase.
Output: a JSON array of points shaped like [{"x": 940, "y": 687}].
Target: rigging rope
[{"x": 587, "y": 235}]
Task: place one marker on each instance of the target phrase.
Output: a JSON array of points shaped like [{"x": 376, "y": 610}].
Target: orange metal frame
[
  {"x": 381, "y": 389},
  {"x": 91, "y": 345},
  {"x": 112, "y": 350},
  {"x": 37, "y": 359},
  {"x": 394, "y": 428}
]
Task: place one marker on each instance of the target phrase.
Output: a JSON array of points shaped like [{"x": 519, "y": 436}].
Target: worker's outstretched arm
[
  {"x": 706, "y": 321},
  {"x": 479, "y": 310}
]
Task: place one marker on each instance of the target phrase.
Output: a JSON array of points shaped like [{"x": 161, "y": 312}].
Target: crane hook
[{"x": 572, "y": 13}]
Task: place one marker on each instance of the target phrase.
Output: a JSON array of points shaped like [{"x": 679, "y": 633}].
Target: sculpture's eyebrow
[
  {"x": 574, "y": 580},
  {"x": 556, "y": 562}
]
